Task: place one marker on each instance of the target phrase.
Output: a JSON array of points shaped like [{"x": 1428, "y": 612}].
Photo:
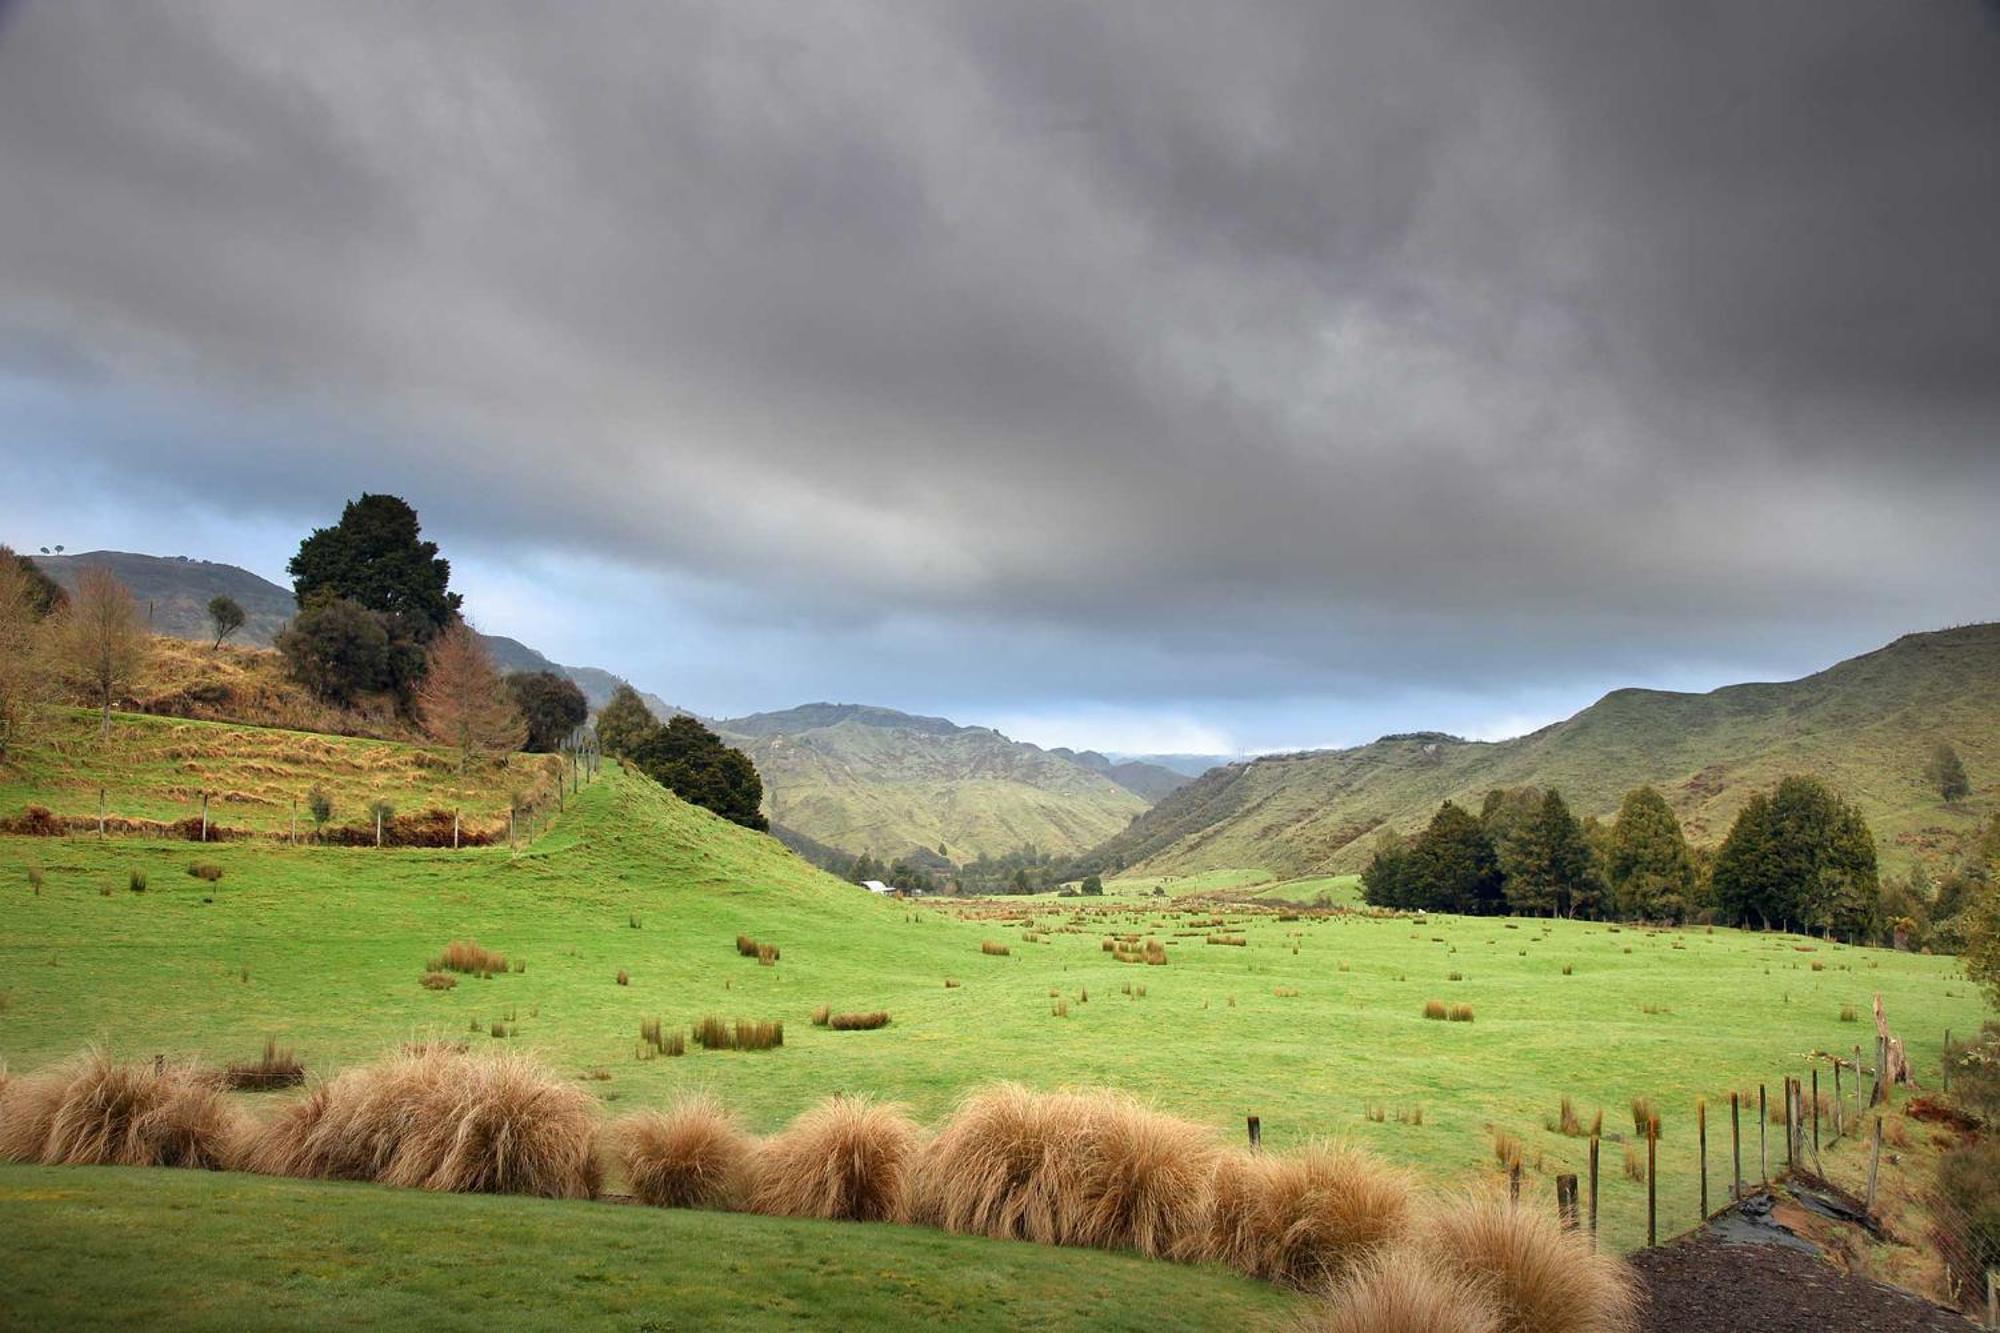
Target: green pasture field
[
  {"x": 105, "y": 1248},
  {"x": 1309, "y": 1024}
]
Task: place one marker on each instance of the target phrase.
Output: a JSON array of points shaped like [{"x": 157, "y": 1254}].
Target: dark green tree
[
  {"x": 1506, "y": 811},
  {"x": 375, "y": 556},
  {"x": 225, "y": 616},
  {"x": 1651, "y": 872},
  {"x": 45, "y": 596},
  {"x": 1092, "y": 886},
  {"x": 1548, "y": 862},
  {"x": 338, "y": 649},
  {"x": 1386, "y": 883},
  {"x": 552, "y": 706},
  {"x": 1453, "y": 866},
  {"x": 1803, "y": 858},
  {"x": 625, "y": 722},
  {"x": 691, "y": 761},
  {"x": 1946, "y": 773}
]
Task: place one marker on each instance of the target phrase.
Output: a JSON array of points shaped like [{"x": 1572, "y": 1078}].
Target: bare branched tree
[
  {"x": 22, "y": 679},
  {"x": 101, "y": 643},
  {"x": 464, "y": 703}
]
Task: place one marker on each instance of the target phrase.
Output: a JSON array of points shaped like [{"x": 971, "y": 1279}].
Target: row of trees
[
  {"x": 683, "y": 756},
  {"x": 1799, "y": 857}
]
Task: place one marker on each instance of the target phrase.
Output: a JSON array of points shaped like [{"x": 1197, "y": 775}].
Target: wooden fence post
[
  {"x": 1837, "y": 1107},
  {"x": 1736, "y": 1144},
  {"x": 100, "y": 812},
  {"x": 1701, "y": 1132},
  {"x": 1874, "y": 1164},
  {"x": 454, "y": 828},
  {"x": 1566, "y": 1201},
  {"x": 1815, "y": 1115},
  {"x": 1652, "y": 1180},
  {"x": 1789, "y": 1163},
  {"x": 378, "y": 825},
  {"x": 1593, "y": 1190},
  {"x": 1763, "y": 1137},
  {"x": 1858, "y": 1082},
  {"x": 1256, "y": 1133},
  {"x": 204, "y": 816},
  {"x": 510, "y": 828}
]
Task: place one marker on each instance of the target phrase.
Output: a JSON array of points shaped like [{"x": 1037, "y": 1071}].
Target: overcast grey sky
[{"x": 1146, "y": 375}]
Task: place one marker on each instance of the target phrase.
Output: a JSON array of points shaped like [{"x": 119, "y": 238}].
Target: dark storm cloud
[{"x": 1218, "y": 350}]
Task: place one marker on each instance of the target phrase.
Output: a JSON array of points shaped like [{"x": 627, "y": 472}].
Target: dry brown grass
[
  {"x": 277, "y": 1067},
  {"x": 467, "y": 956},
  {"x": 437, "y": 981},
  {"x": 1461, "y": 1013},
  {"x": 1304, "y": 1218},
  {"x": 1436, "y": 1009},
  {"x": 848, "y": 1158},
  {"x": 1093, "y": 1168},
  {"x": 694, "y": 1154},
  {"x": 1540, "y": 1278},
  {"x": 994, "y": 948},
  {"x": 1401, "y": 1291},
  {"x": 1635, "y": 1162},
  {"x": 435, "y": 1118},
  {"x": 821, "y": 1015},
  {"x": 96, "y": 1112},
  {"x": 878, "y": 1018}
]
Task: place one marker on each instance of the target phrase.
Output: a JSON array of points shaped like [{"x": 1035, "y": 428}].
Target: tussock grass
[
  {"x": 1507, "y": 1150},
  {"x": 207, "y": 871},
  {"x": 821, "y": 1015},
  {"x": 1087, "y": 1168},
  {"x": 1436, "y": 1009},
  {"x": 1402, "y": 1291},
  {"x": 434, "y": 1118},
  {"x": 136, "y": 881},
  {"x": 1635, "y": 1163},
  {"x": 468, "y": 957},
  {"x": 1461, "y": 1013},
  {"x": 93, "y": 1111},
  {"x": 1847, "y": 1014},
  {"x": 1644, "y": 1113},
  {"x": 1538, "y": 1277},
  {"x": 277, "y": 1067},
  {"x": 848, "y": 1157},
  {"x": 623, "y": 978},
  {"x": 744, "y": 1034},
  {"x": 437, "y": 981},
  {"x": 661, "y": 1040},
  {"x": 878, "y": 1018},
  {"x": 694, "y": 1154},
  {"x": 1302, "y": 1219},
  {"x": 994, "y": 948}
]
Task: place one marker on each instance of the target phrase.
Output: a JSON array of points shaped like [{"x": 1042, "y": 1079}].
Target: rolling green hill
[
  {"x": 875, "y": 780},
  {"x": 1866, "y": 725}
]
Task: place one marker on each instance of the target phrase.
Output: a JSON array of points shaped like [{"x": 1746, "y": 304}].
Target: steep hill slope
[
  {"x": 1866, "y": 725},
  {"x": 875, "y": 780}
]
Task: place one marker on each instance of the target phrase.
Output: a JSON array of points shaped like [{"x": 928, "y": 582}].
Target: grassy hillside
[
  {"x": 86, "y": 1251},
  {"x": 1867, "y": 726},
  {"x": 1309, "y": 1023},
  {"x": 875, "y": 780}
]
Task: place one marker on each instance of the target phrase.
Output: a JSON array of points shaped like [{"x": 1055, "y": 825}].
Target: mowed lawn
[
  {"x": 323, "y": 947},
  {"x": 105, "y": 1248}
]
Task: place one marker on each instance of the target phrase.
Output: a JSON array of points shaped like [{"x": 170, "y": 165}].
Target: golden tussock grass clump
[
  {"x": 1540, "y": 1278},
  {"x": 1461, "y": 1013},
  {"x": 821, "y": 1015},
  {"x": 694, "y": 1154},
  {"x": 1305, "y": 1218},
  {"x": 1088, "y": 1168},
  {"x": 96, "y": 1112},
  {"x": 848, "y": 1158},
  {"x": 434, "y": 1118},
  {"x": 468, "y": 956},
  {"x": 993, "y": 947},
  {"x": 277, "y": 1067},
  {"x": 437, "y": 981},
  {"x": 1400, "y": 1291},
  {"x": 877, "y": 1018},
  {"x": 1436, "y": 1009}
]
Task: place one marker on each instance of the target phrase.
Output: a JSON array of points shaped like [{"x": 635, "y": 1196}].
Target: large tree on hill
[
  {"x": 100, "y": 643},
  {"x": 1453, "y": 866},
  {"x": 376, "y": 557},
  {"x": 1548, "y": 864},
  {"x": 463, "y": 703},
  {"x": 691, "y": 761},
  {"x": 1800, "y": 857},
  {"x": 552, "y": 706},
  {"x": 1652, "y": 873},
  {"x": 338, "y": 649},
  {"x": 624, "y": 722},
  {"x": 1946, "y": 773}
]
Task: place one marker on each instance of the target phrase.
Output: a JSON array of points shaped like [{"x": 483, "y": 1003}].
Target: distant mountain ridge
[
  {"x": 1867, "y": 725},
  {"x": 867, "y": 779}
]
